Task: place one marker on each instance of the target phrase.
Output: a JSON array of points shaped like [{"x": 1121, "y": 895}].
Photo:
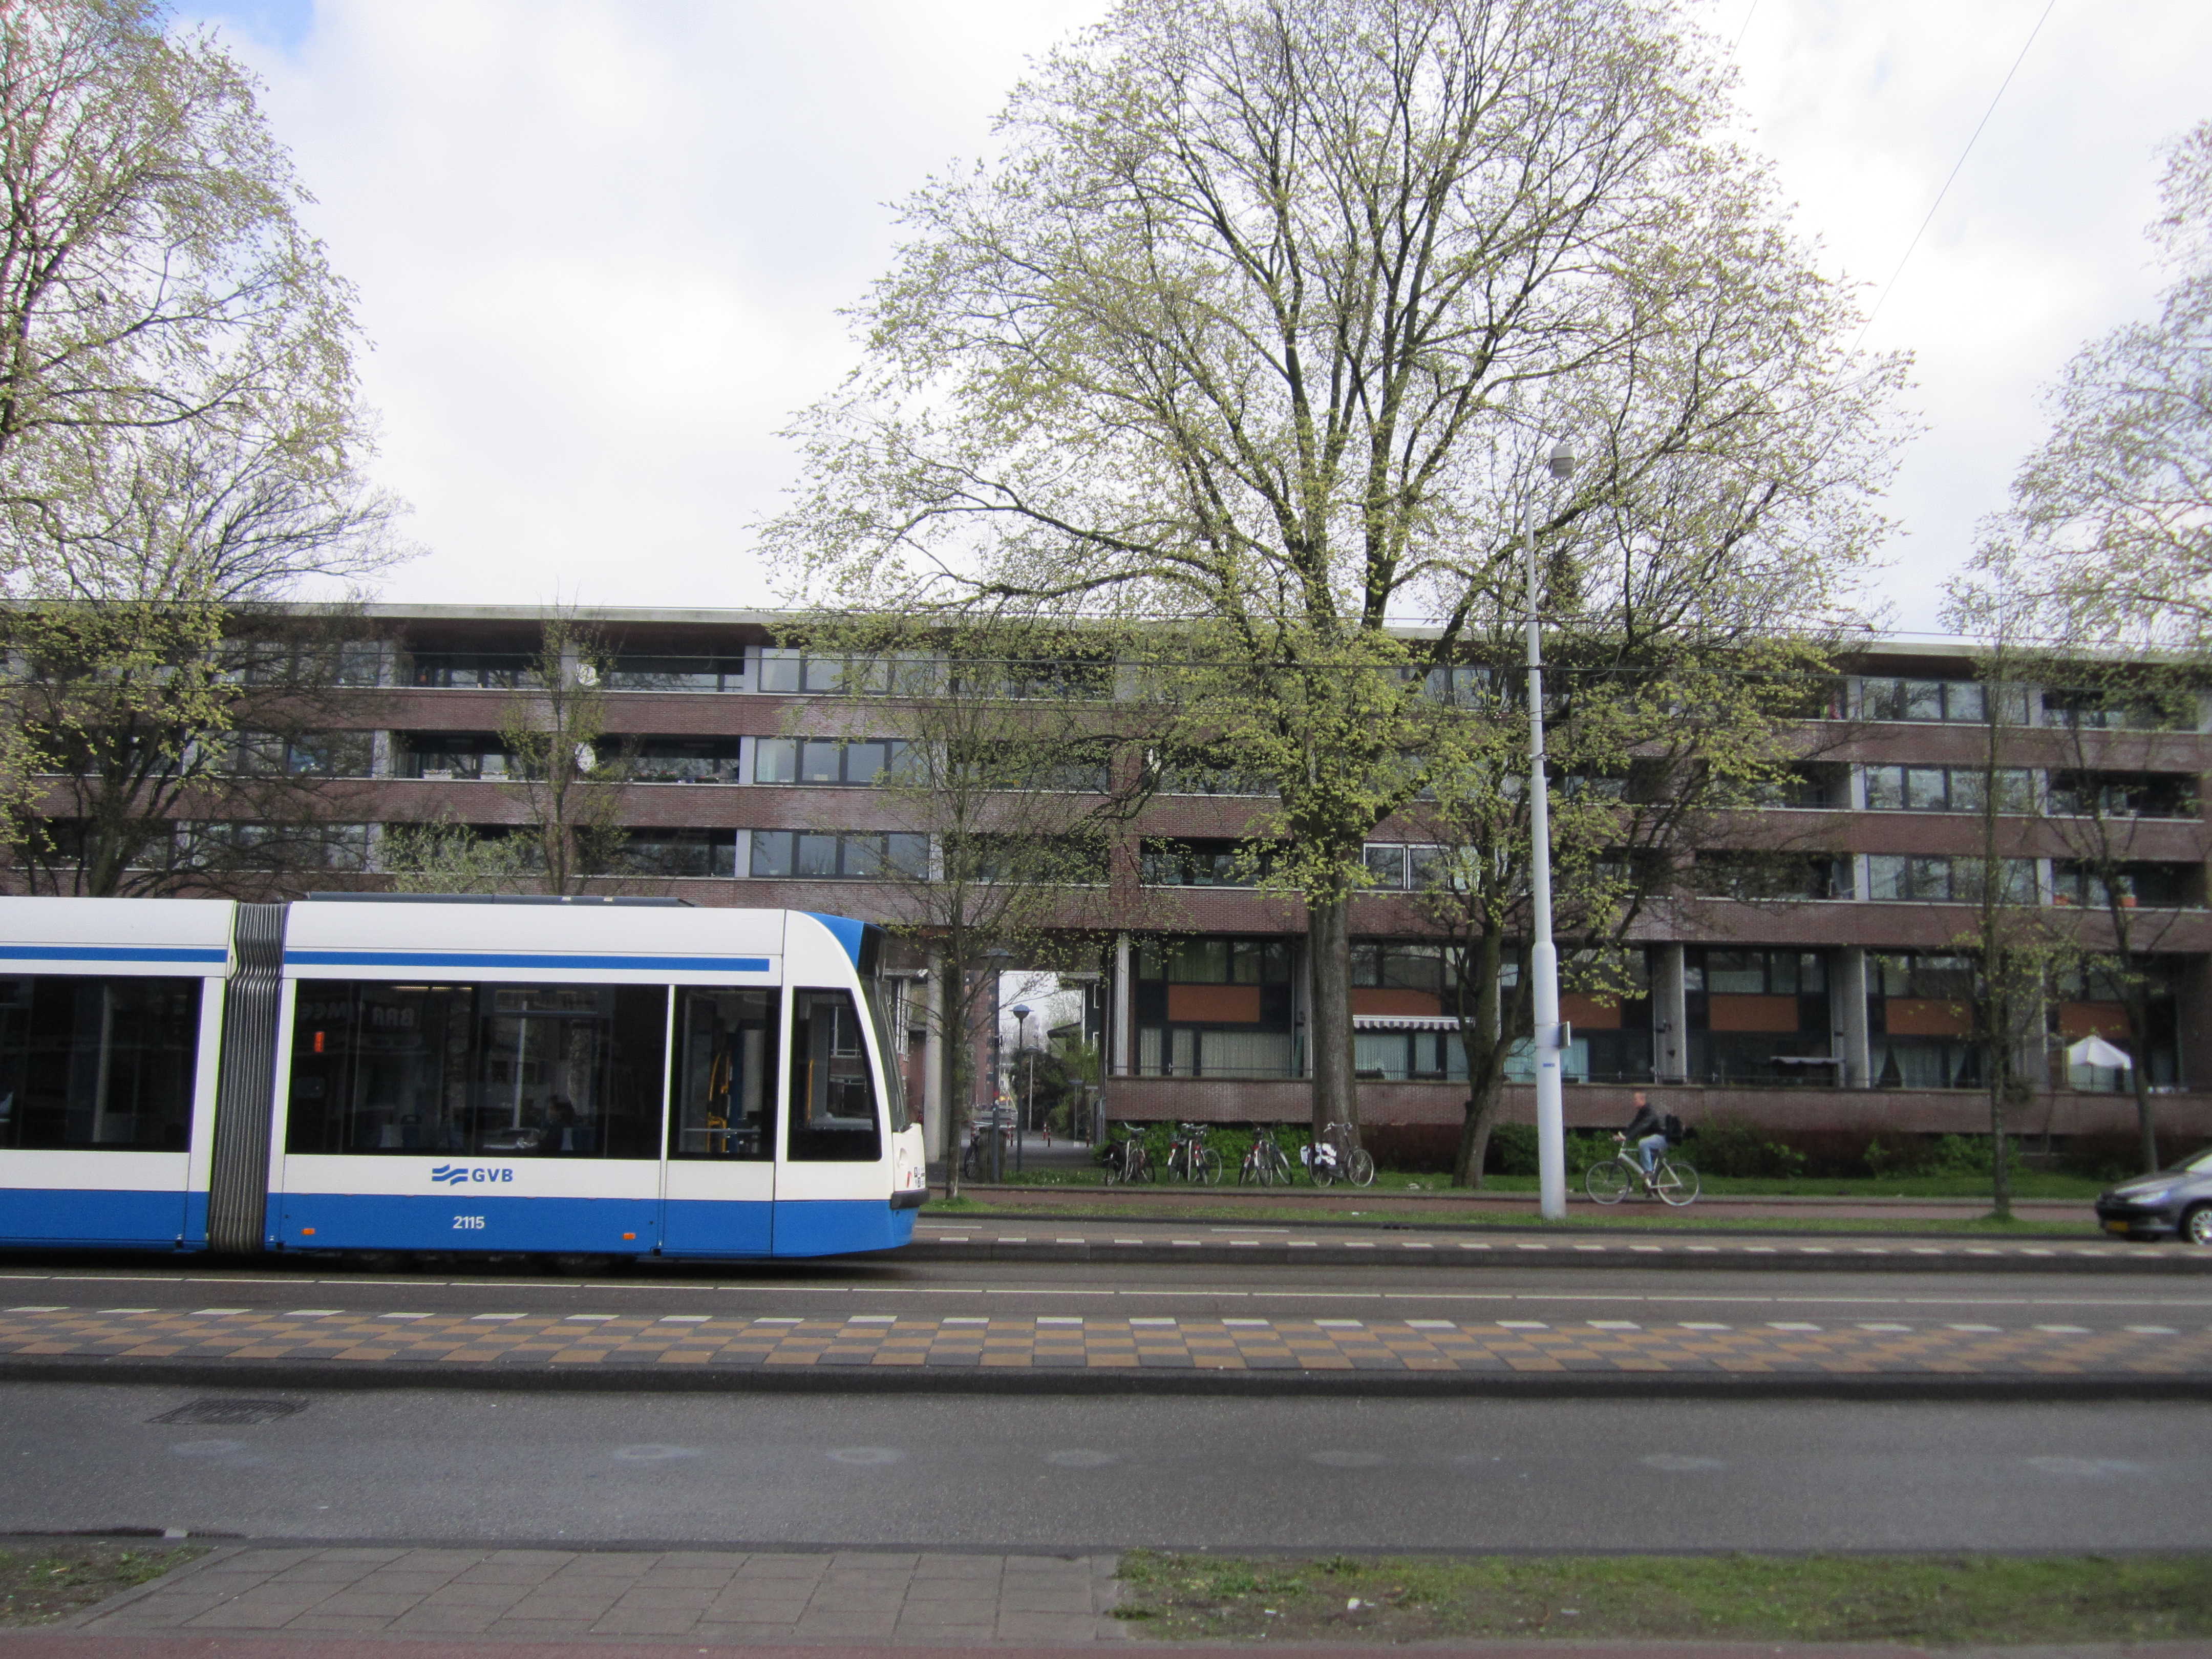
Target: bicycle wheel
[
  {"x": 1677, "y": 1184},
  {"x": 1276, "y": 1167},
  {"x": 1360, "y": 1167},
  {"x": 1205, "y": 1166},
  {"x": 1606, "y": 1180},
  {"x": 1146, "y": 1169}
]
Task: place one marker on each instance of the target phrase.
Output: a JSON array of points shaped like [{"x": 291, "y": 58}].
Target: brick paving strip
[{"x": 330, "y": 1346}]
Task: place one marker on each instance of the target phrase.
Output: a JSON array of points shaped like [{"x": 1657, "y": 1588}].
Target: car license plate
[{"x": 2115, "y": 1226}]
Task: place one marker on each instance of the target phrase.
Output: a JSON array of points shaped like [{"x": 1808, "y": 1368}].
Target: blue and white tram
[{"x": 379, "y": 1073}]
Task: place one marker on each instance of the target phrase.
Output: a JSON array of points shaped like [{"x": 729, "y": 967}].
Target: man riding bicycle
[{"x": 1648, "y": 1132}]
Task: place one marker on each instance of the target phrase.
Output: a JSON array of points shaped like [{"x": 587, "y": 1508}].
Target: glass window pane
[
  {"x": 779, "y": 670},
  {"x": 863, "y": 857},
  {"x": 864, "y": 761},
  {"x": 1781, "y": 973},
  {"x": 814, "y": 855},
  {"x": 825, "y": 675},
  {"x": 771, "y": 853},
  {"x": 1923, "y": 700},
  {"x": 1930, "y": 879},
  {"x": 906, "y": 857},
  {"x": 1885, "y": 877},
  {"x": 833, "y": 1095},
  {"x": 98, "y": 1064},
  {"x": 511, "y": 1071},
  {"x": 775, "y": 760},
  {"x": 724, "y": 1068},
  {"x": 1385, "y": 864},
  {"x": 1925, "y": 789},
  {"x": 1885, "y": 788},
  {"x": 1812, "y": 972},
  {"x": 1967, "y": 793},
  {"x": 1735, "y": 973},
  {"x": 819, "y": 760},
  {"x": 1963, "y": 700}
]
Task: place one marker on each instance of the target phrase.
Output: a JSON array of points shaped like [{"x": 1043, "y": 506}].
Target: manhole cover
[{"x": 213, "y": 1412}]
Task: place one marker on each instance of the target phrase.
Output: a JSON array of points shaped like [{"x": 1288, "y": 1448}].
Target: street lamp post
[
  {"x": 1551, "y": 1037},
  {"x": 1021, "y": 1014}
]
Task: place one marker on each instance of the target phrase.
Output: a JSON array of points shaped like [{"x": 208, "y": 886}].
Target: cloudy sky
[{"x": 601, "y": 245}]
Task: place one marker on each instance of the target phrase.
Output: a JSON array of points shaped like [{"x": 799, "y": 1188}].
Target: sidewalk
[
  {"x": 356, "y": 1603},
  {"x": 694, "y": 1595}
]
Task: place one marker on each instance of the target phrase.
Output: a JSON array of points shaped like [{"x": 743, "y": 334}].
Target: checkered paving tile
[{"x": 504, "y": 1341}]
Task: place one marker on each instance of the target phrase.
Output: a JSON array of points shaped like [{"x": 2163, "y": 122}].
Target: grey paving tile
[
  {"x": 331, "y": 1623},
  {"x": 392, "y": 1581},
  {"x": 848, "y": 1560},
  {"x": 446, "y": 1621},
  {"x": 538, "y": 1630},
  {"x": 528, "y": 1558},
  {"x": 668, "y": 1597},
  {"x": 350, "y": 1554},
  {"x": 323, "y": 1572},
  {"x": 958, "y": 1566},
  {"x": 922, "y": 1591},
  {"x": 237, "y": 1617},
  {"x": 758, "y": 1609},
  {"x": 647, "y": 1621},
  {"x": 725, "y": 1561},
  {"x": 1048, "y": 1627},
  {"x": 540, "y": 1604},
  {"x": 500, "y": 1597},
  {"x": 428, "y": 1560},
  {"x": 508, "y": 1573},
  {"x": 268, "y": 1560},
  {"x": 1071, "y": 1598},
  {"x": 368, "y": 1603},
  {"x": 665, "y": 1577},
  {"x": 736, "y": 1631},
  {"x": 784, "y": 1567}
]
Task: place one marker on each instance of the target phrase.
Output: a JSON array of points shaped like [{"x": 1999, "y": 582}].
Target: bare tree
[
  {"x": 1261, "y": 325},
  {"x": 556, "y": 733}
]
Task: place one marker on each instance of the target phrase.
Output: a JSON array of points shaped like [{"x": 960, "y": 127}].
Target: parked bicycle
[
  {"x": 1128, "y": 1159},
  {"x": 1611, "y": 1179},
  {"x": 1264, "y": 1162},
  {"x": 1337, "y": 1156},
  {"x": 1189, "y": 1158}
]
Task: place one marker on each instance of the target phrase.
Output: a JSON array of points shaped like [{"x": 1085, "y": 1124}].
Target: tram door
[{"x": 721, "y": 1181}]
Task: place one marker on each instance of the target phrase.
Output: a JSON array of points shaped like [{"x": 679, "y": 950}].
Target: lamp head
[
  {"x": 1019, "y": 1011},
  {"x": 1562, "y": 461}
]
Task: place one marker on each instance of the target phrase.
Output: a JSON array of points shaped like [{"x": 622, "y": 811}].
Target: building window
[
  {"x": 2092, "y": 1001},
  {"x": 685, "y": 760},
  {"x": 273, "y": 846},
  {"x": 1948, "y": 789},
  {"x": 1756, "y": 1016},
  {"x": 807, "y": 854},
  {"x": 851, "y": 763},
  {"x": 1916, "y": 879},
  {"x": 634, "y": 671},
  {"x": 2122, "y": 795},
  {"x": 2153, "y": 886},
  {"x": 2106, "y": 710},
  {"x": 1757, "y": 877},
  {"x": 453, "y": 756},
  {"x": 1181, "y": 862},
  {"x": 1214, "y": 1006},
  {"x": 1920, "y": 1021},
  {"x": 471, "y": 671},
  {"x": 680, "y": 853},
  {"x": 794, "y": 672},
  {"x": 302, "y": 754}
]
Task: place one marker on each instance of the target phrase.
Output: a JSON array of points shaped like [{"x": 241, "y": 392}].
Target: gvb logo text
[{"x": 456, "y": 1174}]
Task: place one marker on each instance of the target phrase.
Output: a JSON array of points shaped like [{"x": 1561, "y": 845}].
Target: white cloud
[{"x": 600, "y": 247}]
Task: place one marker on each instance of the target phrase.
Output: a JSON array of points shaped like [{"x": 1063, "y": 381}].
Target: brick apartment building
[{"x": 1833, "y": 1012}]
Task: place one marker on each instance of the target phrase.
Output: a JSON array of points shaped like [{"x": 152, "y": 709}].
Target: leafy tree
[
  {"x": 152, "y": 272},
  {"x": 1260, "y": 324},
  {"x": 2114, "y": 511},
  {"x": 568, "y": 774},
  {"x": 447, "y": 857}
]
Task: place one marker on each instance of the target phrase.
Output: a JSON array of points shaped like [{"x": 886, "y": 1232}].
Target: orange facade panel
[
  {"x": 1588, "y": 1014},
  {"x": 1927, "y": 1016},
  {"x": 1751, "y": 1014},
  {"x": 2077, "y": 1020},
  {"x": 1384, "y": 999},
  {"x": 1216, "y": 1005}
]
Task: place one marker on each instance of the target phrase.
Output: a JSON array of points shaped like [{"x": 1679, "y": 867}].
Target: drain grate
[{"x": 221, "y": 1413}]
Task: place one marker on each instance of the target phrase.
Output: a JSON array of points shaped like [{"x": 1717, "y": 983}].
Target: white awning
[
  {"x": 2095, "y": 1051},
  {"x": 1404, "y": 1023}
]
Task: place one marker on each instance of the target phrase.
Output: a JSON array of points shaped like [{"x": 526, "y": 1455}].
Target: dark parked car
[{"x": 2178, "y": 1202}]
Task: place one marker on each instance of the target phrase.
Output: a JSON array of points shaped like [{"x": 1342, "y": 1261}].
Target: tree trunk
[
  {"x": 2139, "y": 1078},
  {"x": 2000, "y": 1163},
  {"x": 1484, "y": 1075},
  {"x": 952, "y": 1064},
  {"x": 1329, "y": 1022}
]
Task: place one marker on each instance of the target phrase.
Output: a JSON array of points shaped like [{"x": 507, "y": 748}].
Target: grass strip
[
  {"x": 1996, "y": 1600},
  {"x": 48, "y": 1579},
  {"x": 1582, "y": 1218},
  {"x": 2026, "y": 1184}
]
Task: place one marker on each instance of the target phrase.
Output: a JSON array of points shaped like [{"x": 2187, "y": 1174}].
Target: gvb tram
[{"x": 423, "y": 1074}]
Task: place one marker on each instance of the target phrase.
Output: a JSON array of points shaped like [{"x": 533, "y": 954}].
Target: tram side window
[
  {"x": 833, "y": 1092},
  {"x": 98, "y": 1064},
  {"x": 724, "y": 1074},
  {"x": 483, "y": 1070}
]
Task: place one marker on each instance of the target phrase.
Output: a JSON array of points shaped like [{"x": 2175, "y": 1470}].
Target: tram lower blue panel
[
  {"x": 716, "y": 1227},
  {"x": 352, "y": 1221},
  {"x": 62, "y": 1215},
  {"x": 833, "y": 1226}
]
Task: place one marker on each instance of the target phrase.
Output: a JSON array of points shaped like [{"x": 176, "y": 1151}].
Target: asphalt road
[
  {"x": 897, "y": 1285},
  {"x": 1058, "y": 1473}
]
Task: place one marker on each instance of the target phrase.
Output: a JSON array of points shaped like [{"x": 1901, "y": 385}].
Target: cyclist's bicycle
[
  {"x": 1190, "y": 1158},
  {"x": 1127, "y": 1161},
  {"x": 1611, "y": 1179},
  {"x": 1264, "y": 1161},
  {"x": 1337, "y": 1156}
]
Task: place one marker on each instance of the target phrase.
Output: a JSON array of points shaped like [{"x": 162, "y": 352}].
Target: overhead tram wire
[{"x": 1934, "y": 207}]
